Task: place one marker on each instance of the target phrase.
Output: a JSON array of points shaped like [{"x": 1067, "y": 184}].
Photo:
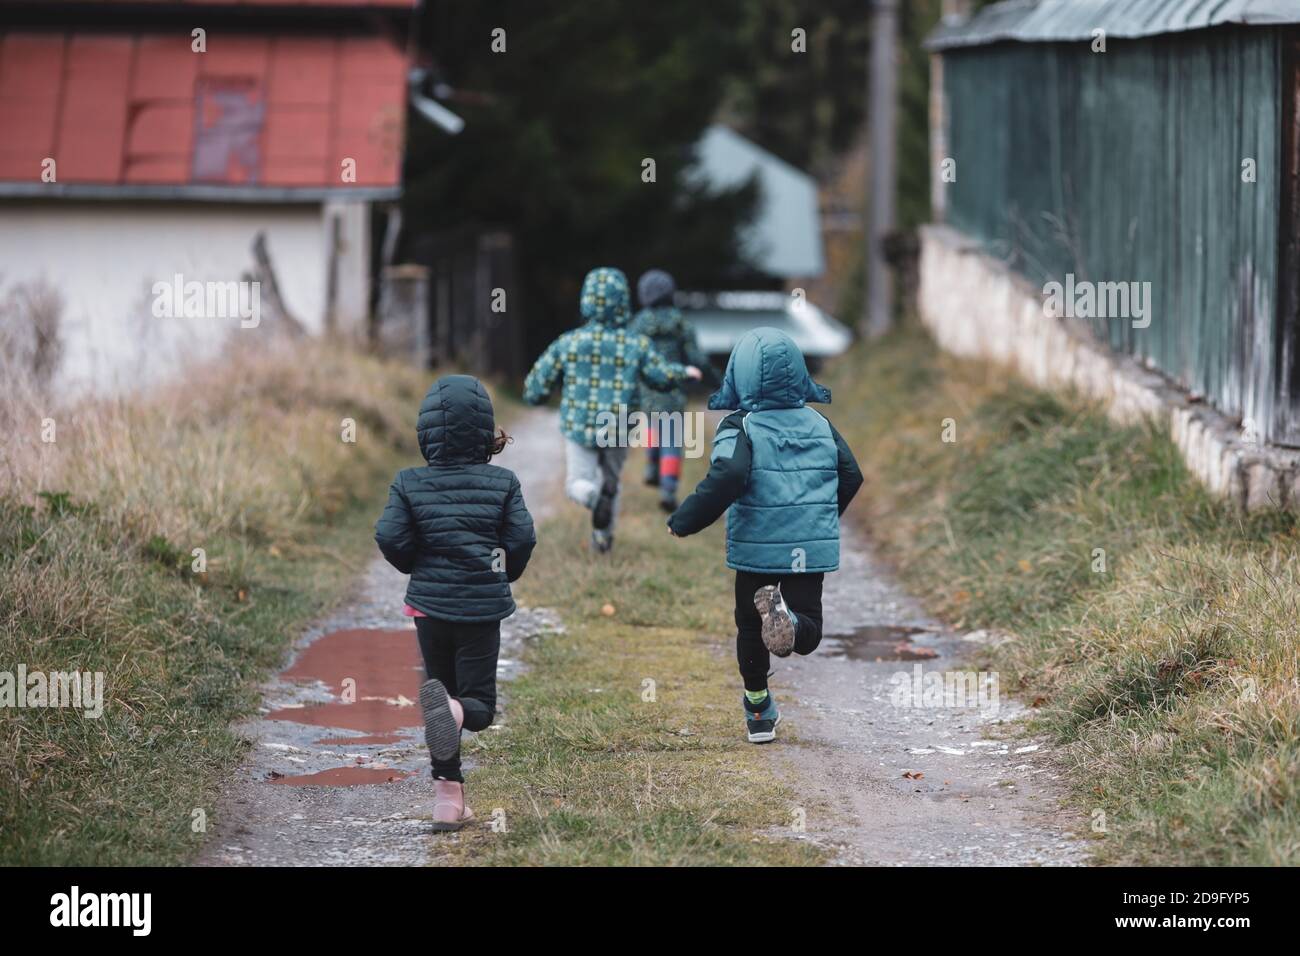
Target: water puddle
[
  {"x": 359, "y": 741},
  {"x": 877, "y": 642},
  {"x": 374, "y": 676},
  {"x": 342, "y": 777}
]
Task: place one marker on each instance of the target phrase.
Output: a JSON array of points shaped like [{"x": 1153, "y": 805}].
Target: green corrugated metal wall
[{"x": 1126, "y": 166}]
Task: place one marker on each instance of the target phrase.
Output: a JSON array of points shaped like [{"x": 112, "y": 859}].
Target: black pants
[
  {"x": 803, "y": 595},
  {"x": 464, "y": 658}
]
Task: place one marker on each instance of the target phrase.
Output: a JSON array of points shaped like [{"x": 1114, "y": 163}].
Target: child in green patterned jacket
[{"x": 602, "y": 364}]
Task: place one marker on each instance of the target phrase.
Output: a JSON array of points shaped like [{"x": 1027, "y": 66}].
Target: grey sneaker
[
  {"x": 441, "y": 726},
  {"x": 778, "y": 620}
]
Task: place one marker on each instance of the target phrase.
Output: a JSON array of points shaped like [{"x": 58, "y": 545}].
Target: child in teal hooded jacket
[
  {"x": 783, "y": 475},
  {"x": 602, "y": 365}
]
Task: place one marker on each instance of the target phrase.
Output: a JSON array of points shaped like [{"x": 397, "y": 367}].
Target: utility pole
[
  {"x": 881, "y": 108},
  {"x": 952, "y": 12}
]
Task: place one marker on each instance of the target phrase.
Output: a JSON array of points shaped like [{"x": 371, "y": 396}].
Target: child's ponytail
[{"x": 499, "y": 443}]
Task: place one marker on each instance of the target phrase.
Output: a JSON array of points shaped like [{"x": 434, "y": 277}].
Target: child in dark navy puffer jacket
[
  {"x": 459, "y": 527},
  {"x": 674, "y": 338}
]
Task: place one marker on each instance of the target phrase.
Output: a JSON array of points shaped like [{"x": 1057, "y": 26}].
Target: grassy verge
[
  {"x": 97, "y": 534},
  {"x": 587, "y": 769},
  {"x": 1156, "y": 629}
]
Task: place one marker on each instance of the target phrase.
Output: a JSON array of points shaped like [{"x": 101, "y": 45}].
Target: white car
[{"x": 721, "y": 318}]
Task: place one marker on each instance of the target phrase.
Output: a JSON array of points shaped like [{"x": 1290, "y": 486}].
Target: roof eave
[
  {"x": 192, "y": 192},
  {"x": 1065, "y": 21}
]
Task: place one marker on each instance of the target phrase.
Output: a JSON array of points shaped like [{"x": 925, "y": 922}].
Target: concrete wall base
[{"x": 976, "y": 307}]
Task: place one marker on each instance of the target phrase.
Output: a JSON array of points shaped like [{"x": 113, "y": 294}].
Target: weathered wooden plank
[{"x": 1126, "y": 166}]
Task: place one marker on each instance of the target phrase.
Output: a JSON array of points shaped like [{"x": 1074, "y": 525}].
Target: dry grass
[
  {"x": 249, "y": 444},
  {"x": 244, "y": 460}
]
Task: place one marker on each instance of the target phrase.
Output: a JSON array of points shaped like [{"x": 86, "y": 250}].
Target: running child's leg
[
  {"x": 803, "y": 596},
  {"x": 652, "y": 458},
  {"x": 477, "y": 649},
  {"x": 670, "y": 461},
  {"x": 761, "y": 713},
  {"x": 611, "y": 463},
  {"x": 751, "y": 654},
  {"x": 582, "y": 478},
  {"x": 670, "y": 472},
  {"x": 438, "y": 648}
]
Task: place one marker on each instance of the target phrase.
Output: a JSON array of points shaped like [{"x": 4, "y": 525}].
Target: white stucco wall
[
  {"x": 353, "y": 289},
  {"x": 105, "y": 257}
]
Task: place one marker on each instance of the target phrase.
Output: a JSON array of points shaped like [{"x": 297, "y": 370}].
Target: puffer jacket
[
  {"x": 673, "y": 337},
  {"x": 602, "y": 363},
  {"x": 458, "y": 525},
  {"x": 779, "y": 469}
]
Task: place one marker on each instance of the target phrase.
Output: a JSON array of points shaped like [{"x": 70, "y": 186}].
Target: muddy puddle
[
  {"x": 876, "y": 642},
  {"x": 360, "y": 688},
  {"x": 342, "y": 777}
]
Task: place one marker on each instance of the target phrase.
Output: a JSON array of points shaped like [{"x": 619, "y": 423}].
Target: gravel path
[{"x": 893, "y": 777}]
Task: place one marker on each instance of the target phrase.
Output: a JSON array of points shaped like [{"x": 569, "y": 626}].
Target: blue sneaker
[{"x": 760, "y": 725}]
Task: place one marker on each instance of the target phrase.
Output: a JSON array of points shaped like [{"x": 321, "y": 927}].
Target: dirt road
[
  {"x": 908, "y": 776},
  {"x": 884, "y": 775}
]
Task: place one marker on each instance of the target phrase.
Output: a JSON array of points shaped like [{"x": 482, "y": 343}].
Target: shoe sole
[
  {"x": 766, "y": 737},
  {"x": 439, "y": 827},
  {"x": 778, "y": 630},
  {"x": 441, "y": 734}
]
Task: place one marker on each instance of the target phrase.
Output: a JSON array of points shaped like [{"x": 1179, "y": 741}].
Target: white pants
[{"x": 583, "y": 474}]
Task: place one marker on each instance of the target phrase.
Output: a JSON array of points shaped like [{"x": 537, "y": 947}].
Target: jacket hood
[
  {"x": 456, "y": 423},
  {"x": 605, "y": 297},
  {"x": 655, "y": 288},
  {"x": 766, "y": 370}
]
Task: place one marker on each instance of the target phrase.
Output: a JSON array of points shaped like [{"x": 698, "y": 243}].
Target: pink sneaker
[{"x": 449, "y": 810}]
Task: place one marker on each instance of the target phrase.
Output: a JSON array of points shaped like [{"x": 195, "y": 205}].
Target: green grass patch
[
  {"x": 587, "y": 769},
  {"x": 1156, "y": 627}
]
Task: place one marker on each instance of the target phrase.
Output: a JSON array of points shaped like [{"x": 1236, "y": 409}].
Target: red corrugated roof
[
  {"x": 399, "y": 4},
  {"x": 254, "y": 110}
]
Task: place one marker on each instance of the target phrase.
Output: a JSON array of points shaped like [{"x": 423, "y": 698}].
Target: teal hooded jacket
[{"x": 779, "y": 469}]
